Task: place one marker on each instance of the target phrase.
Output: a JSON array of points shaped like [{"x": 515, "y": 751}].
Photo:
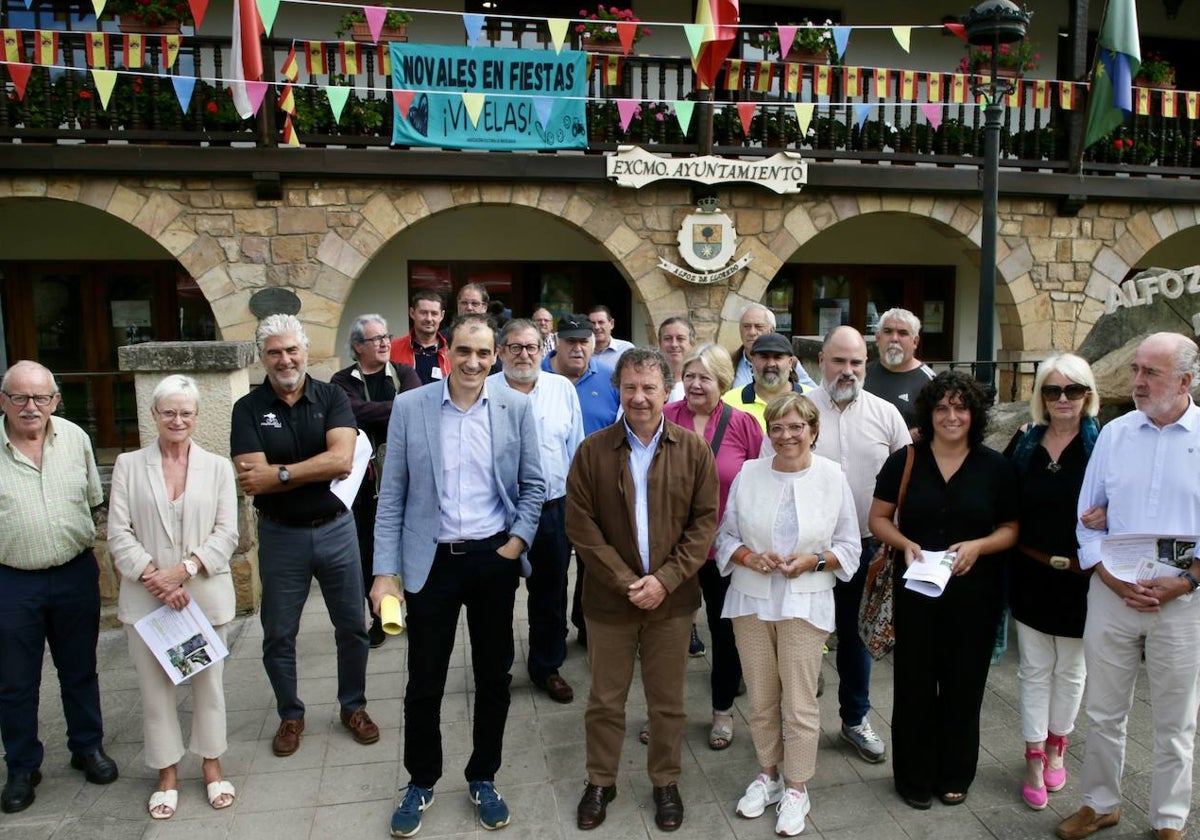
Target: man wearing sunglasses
[
  {"x": 560, "y": 430},
  {"x": 49, "y": 581}
]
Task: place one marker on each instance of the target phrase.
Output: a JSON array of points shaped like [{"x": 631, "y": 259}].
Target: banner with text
[{"x": 488, "y": 98}]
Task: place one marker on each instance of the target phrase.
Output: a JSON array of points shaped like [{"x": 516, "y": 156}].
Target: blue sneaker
[
  {"x": 493, "y": 813},
  {"x": 406, "y": 820}
]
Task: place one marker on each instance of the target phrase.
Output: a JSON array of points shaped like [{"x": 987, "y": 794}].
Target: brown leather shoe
[
  {"x": 287, "y": 737},
  {"x": 1168, "y": 834},
  {"x": 668, "y": 807},
  {"x": 558, "y": 689},
  {"x": 361, "y": 726},
  {"x": 1085, "y": 822},
  {"x": 593, "y": 805}
]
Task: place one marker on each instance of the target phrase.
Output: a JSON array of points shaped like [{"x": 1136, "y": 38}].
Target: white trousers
[
  {"x": 1113, "y": 640},
  {"x": 1051, "y": 676}
]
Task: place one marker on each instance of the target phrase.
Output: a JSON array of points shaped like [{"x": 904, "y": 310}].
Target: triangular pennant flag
[
  {"x": 19, "y": 73},
  {"x": 98, "y": 6},
  {"x": 291, "y": 67},
  {"x": 199, "y": 10},
  {"x": 104, "y": 81},
  {"x": 787, "y": 37},
  {"x": 267, "y": 10},
  {"x": 683, "y": 113},
  {"x": 403, "y": 100},
  {"x": 474, "y": 105},
  {"x": 957, "y": 29},
  {"x": 903, "y": 36},
  {"x": 543, "y": 105},
  {"x": 184, "y": 86},
  {"x": 337, "y": 100},
  {"x": 626, "y": 108},
  {"x": 746, "y": 115},
  {"x": 170, "y": 49},
  {"x": 96, "y": 49},
  {"x": 255, "y": 91},
  {"x": 289, "y": 132},
  {"x": 841, "y": 37},
  {"x": 558, "y": 32},
  {"x": 695, "y": 37},
  {"x": 861, "y": 112},
  {"x": 933, "y": 114},
  {"x": 473, "y": 24},
  {"x": 375, "y": 16},
  {"x": 287, "y": 100},
  {"x": 627, "y": 31},
  {"x": 804, "y": 115}
]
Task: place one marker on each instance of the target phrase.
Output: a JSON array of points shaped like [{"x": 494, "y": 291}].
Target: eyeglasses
[
  {"x": 386, "y": 338},
  {"x": 1074, "y": 392},
  {"x": 472, "y": 305},
  {"x": 22, "y": 400},
  {"x": 795, "y": 429},
  {"x": 517, "y": 349},
  {"x": 171, "y": 414}
]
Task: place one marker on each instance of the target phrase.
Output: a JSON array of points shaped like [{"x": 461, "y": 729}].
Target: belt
[
  {"x": 303, "y": 523},
  {"x": 472, "y": 546},
  {"x": 1056, "y": 561},
  {"x": 553, "y": 502}
]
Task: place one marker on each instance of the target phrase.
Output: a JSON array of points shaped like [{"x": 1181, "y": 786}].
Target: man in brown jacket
[{"x": 642, "y": 513}]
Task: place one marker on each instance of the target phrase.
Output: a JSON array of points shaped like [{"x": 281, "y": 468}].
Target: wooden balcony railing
[{"x": 61, "y": 105}]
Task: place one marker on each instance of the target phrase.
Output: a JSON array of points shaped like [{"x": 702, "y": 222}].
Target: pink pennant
[
  {"x": 255, "y": 91},
  {"x": 19, "y": 73},
  {"x": 404, "y": 100},
  {"x": 627, "y": 108},
  {"x": 746, "y": 113},
  {"x": 933, "y": 113},
  {"x": 375, "y": 17},
  {"x": 787, "y": 35}
]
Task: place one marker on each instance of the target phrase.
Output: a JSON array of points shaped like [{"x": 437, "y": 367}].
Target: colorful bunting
[
  {"x": 199, "y": 9},
  {"x": 792, "y": 78},
  {"x": 104, "y": 80},
  {"x": 184, "y": 86},
  {"x": 903, "y": 35},
  {"x": 821, "y": 79},
  {"x": 314, "y": 57},
  {"x": 1141, "y": 105},
  {"x": 746, "y": 115},
  {"x": 96, "y": 49},
  {"x": 473, "y": 24},
  {"x": 733, "y": 78},
  {"x": 881, "y": 83},
  {"x": 351, "y": 54},
  {"x": 861, "y": 112},
  {"x": 627, "y": 31},
  {"x": 133, "y": 49},
  {"x": 1169, "y": 104},
  {"x": 804, "y": 115},
  {"x": 958, "y": 88},
  {"x": 291, "y": 68},
  {"x": 1066, "y": 96},
  {"x": 933, "y": 87},
  {"x": 170, "y": 49},
  {"x": 683, "y": 113},
  {"x": 375, "y": 15},
  {"x": 852, "y": 80},
  {"x": 14, "y": 46},
  {"x": 287, "y": 100},
  {"x": 787, "y": 37},
  {"x": 267, "y": 10},
  {"x": 544, "y": 106},
  {"x": 1191, "y": 101},
  {"x": 19, "y": 73},
  {"x": 474, "y": 106},
  {"x": 763, "y": 74},
  {"x": 841, "y": 38},
  {"x": 626, "y": 108},
  {"x": 337, "y": 95},
  {"x": 908, "y": 85},
  {"x": 289, "y": 132},
  {"x": 1041, "y": 94},
  {"x": 933, "y": 114},
  {"x": 45, "y": 50},
  {"x": 98, "y": 7},
  {"x": 558, "y": 32}
]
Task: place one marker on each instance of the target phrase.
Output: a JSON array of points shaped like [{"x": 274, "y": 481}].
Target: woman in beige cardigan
[{"x": 172, "y": 527}]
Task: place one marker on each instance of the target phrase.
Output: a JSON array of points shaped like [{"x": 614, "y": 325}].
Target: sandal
[
  {"x": 953, "y": 798},
  {"x": 644, "y": 733},
  {"x": 216, "y": 790},
  {"x": 163, "y": 803},
  {"x": 721, "y": 734}
]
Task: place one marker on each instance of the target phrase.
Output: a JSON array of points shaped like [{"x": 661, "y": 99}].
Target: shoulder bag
[{"x": 876, "y": 624}]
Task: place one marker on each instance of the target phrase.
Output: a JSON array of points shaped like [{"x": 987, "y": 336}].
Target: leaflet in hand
[
  {"x": 930, "y": 574},
  {"x": 183, "y": 641},
  {"x": 1134, "y": 557}
]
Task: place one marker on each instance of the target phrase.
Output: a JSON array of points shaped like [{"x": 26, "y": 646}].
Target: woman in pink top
[{"x": 735, "y": 437}]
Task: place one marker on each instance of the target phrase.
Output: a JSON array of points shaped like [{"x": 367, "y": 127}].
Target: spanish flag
[
  {"x": 733, "y": 78},
  {"x": 958, "y": 88},
  {"x": 881, "y": 83},
  {"x": 46, "y": 51},
  {"x": 96, "y": 49},
  {"x": 908, "y": 85},
  {"x": 933, "y": 83},
  {"x": 291, "y": 68},
  {"x": 134, "y": 51},
  {"x": 14, "y": 49},
  {"x": 170, "y": 49},
  {"x": 1041, "y": 94},
  {"x": 314, "y": 57},
  {"x": 287, "y": 100},
  {"x": 762, "y": 76},
  {"x": 1191, "y": 101},
  {"x": 1169, "y": 104},
  {"x": 351, "y": 57},
  {"x": 289, "y": 132},
  {"x": 1066, "y": 96},
  {"x": 1141, "y": 104},
  {"x": 853, "y": 78},
  {"x": 385, "y": 60},
  {"x": 821, "y": 80},
  {"x": 792, "y": 78}
]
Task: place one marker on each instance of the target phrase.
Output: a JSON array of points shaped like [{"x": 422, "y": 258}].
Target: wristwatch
[
  {"x": 1191, "y": 579},
  {"x": 191, "y": 568},
  {"x": 284, "y": 475},
  {"x": 820, "y": 567}
]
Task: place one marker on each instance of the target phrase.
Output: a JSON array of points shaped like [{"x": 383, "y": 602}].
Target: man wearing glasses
[
  {"x": 371, "y": 383},
  {"x": 49, "y": 581},
  {"x": 560, "y": 429}
]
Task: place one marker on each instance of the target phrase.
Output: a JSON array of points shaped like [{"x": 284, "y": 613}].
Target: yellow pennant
[
  {"x": 98, "y": 6},
  {"x": 558, "y": 32},
  {"x": 104, "y": 80},
  {"x": 903, "y": 35},
  {"x": 804, "y": 115},
  {"x": 474, "y": 105}
]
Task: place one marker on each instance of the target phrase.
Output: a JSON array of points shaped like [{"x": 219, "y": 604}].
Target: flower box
[
  {"x": 134, "y": 25},
  {"x": 361, "y": 31}
]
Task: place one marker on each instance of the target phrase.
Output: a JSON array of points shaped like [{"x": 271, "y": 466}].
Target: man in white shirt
[
  {"x": 608, "y": 349},
  {"x": 1145, "y": 469},
  {"x": 560, "y": 429},
  {"x": 859, "y": 431}
]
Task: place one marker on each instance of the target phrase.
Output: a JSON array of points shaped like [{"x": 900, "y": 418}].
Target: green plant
[
  {"x": 1156, "y": 69},
  {"x": 394, "y": 19},
  {"x": 809, "y": 36},
  {"x": 1021, "y": 56},
  {"x": 42, "y": 106},
  {"x": 151, "y": 12},
  {"x": 601, "y": 25}
]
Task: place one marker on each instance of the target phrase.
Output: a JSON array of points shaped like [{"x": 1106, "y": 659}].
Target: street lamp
[{"x": 990, "y": 24}]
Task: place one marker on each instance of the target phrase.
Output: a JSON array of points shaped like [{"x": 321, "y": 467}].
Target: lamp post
[{"x": 990, "y": 24}]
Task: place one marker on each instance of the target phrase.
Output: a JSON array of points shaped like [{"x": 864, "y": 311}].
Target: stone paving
[{"x": 335, "y": 788}]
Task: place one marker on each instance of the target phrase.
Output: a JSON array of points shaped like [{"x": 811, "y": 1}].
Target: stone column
[{"x": 220, "y": 369}]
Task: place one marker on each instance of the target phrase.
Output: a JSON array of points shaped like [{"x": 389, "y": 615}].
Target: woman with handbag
[
  {"x": 172, "y": 529},
  {"x": 1048, "y": 591},
  {"x": 789, "y": 530},
  {"x": 961, "y": 497}
]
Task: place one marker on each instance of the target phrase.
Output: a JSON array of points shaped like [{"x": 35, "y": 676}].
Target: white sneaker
[
  {"x": 763, "y": 791},
  {"x": 863, "y": 738},
  {"x": 792, "y": 809}
]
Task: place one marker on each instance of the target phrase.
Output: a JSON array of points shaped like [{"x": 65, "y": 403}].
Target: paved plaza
[{"x": 334, "y": 788}]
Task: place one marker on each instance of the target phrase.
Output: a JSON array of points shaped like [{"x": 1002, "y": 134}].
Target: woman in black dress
[
  {"x": 1048, "y": 591},
  {"x": 961, "y": 498}
]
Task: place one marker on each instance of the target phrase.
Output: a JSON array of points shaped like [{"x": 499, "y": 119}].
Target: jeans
[{"x": 853, "y": 661}]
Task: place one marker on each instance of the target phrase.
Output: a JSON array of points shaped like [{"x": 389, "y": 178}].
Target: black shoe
[
  {"x": 97, "y": 767},
  {"x": 696, "y": 644},
  {"x": 668, "y": 807},
  {"x": 376, "y": 634},
  {"x": 18, "y": 790},
  {"x": 593, "y": 805}
]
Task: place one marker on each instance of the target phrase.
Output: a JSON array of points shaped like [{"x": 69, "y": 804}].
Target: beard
[
  {"x": 843, "y": 391},
  {"x": 523, "y": 375},
  {"x": 893, "y": 355},
  {"x": 771, "y": 379}
]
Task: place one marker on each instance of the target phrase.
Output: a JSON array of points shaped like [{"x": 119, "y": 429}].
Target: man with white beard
[
  {"x": 898, "y": 375},
  {"x": 859, "y": 431}
]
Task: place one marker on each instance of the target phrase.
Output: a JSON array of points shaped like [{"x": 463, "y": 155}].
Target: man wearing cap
[
  {"x": 574, "y": 359},
  {"x": 772, "y": 359},
  {"x": 757, "y": 320}
]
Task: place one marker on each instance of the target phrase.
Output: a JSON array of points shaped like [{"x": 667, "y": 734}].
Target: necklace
[{"x": 1054, "y": 466}]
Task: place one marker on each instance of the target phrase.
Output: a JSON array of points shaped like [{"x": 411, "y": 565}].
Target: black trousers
[
  {"x": 726, "y": 666},
  {"x": 549, "y": 559},
  {"x": 486, "y": 584}
]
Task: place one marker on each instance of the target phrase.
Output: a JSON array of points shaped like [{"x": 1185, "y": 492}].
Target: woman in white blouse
[{"x": 789, "y": 531}]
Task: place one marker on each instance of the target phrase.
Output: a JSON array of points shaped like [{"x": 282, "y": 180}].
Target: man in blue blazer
[{"x": 457, "y": 540}]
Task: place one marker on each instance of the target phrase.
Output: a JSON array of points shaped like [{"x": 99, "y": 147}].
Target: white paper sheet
[
  {"x": 183, "y": 641},
  {"x": 346, "y": 489}
]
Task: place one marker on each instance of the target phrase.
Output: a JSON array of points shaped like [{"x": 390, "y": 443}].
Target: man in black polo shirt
[{"x": 290, "y": 436}]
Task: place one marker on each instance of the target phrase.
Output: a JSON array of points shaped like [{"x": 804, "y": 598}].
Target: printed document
[
  {"x": 183, "y": 641},
  {"x": 930, "y": 574},
  {"x": 1134, "y": 557}
]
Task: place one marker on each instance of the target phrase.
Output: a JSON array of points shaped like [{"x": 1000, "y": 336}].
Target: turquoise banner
[{"x": 488, "y": 98}]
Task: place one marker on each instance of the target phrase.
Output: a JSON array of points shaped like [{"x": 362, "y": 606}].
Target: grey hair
[
  {"x": 640, "y": 357},
  {"x": 516, "y": 325},
  {"x": 175, "y": 385},
  {"x": 475, "y": 287},
  {"x": 1073, "y": 368},
  {"x": 279, "y": 324},
  {"x": 1184, "y": 353},
  {"x": 28, "y": 363},
  {"x": 903, "y": 315},
  {"x": 358, "y": 330},
  {"x": 678, "y": 319},
  {"x": 764, "y": 308}
]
